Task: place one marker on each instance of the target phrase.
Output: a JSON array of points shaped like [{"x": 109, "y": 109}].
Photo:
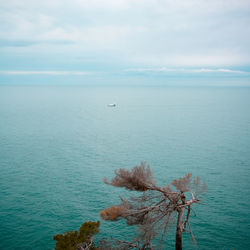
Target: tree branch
[{"x": 187, "y": 217}]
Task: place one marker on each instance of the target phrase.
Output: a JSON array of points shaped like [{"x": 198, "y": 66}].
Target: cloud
[
  {"x": 15, "y": 43},
  {"x": 180, "y": 70},
  {"x": 141, "y": 33},
  {"x": 28, "y": 43},
  {"x": 55, "y": 73},
  {"x": 130, "y": 70},
  {"x": 220, "y": 71},
  {"x": 106, "y": 4}
]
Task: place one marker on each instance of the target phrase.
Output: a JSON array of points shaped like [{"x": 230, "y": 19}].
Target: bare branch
[
  {"x": 187, "y": 216},
  {"x": 197, "y": 187}
]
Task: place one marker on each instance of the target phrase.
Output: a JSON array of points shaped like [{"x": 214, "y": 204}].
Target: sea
[{"x": 57, "y": 143}]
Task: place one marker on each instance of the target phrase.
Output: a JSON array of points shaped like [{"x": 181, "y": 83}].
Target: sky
[{"x": 104, "y": 40}]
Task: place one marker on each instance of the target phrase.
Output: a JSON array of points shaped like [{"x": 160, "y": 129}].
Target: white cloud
[
  {"x": 220, "y": 71},
  {"x": 181, "y": 70},
  {"x": 115, "y": 5},
  {"x": 173, "y": 33},
  {"x": 110, "y": 4},
  {"x": 216, "y": 58},
  {"x": 16, "y": 72},
  {"x": 198, "y": 58}
]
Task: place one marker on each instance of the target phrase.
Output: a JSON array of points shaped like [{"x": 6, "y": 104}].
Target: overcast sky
[{"x": 83, "y": 37}]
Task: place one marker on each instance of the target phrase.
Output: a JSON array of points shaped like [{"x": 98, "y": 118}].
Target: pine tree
[{"x": 153, "y": 209}]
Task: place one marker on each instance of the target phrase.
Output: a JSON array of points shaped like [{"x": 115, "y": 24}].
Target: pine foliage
[
  {"x": 183, "y": 184},
  {"x": 75, "y": 240},
  {"x": 112, "y": 213},
  {"x": 139, "y": 178}
]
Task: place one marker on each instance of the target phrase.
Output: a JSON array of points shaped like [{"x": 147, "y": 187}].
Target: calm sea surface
[{"x": 57, "y": 144}]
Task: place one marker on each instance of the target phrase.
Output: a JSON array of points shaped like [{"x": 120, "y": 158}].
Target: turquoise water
[{"x": 58, "y": 142}]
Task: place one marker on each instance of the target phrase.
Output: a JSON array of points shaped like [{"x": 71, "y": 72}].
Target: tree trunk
[{"x": 179, "y": 229}]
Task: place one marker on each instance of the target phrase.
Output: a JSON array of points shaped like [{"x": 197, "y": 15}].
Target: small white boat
[{"x": 111, "y": 105}]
